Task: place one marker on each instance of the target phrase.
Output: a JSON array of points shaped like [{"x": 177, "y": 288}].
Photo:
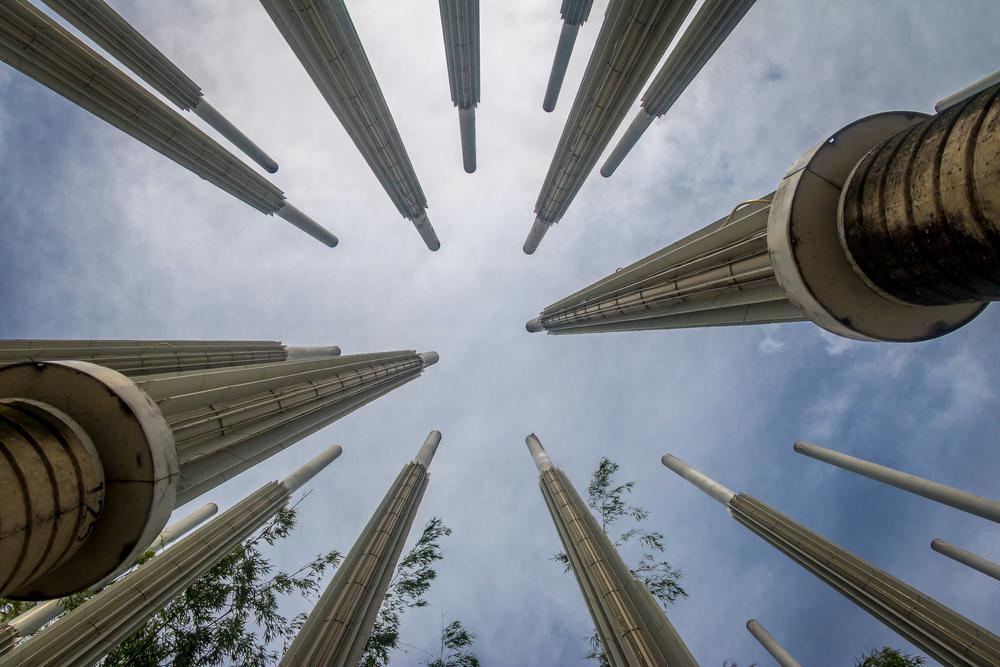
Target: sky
[{"x": 105, "y": 238}]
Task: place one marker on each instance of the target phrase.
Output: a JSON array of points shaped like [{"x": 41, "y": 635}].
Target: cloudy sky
[{"x": 104, "y": 238}]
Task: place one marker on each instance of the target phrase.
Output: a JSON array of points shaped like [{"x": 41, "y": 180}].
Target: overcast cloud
[{"x": 104, "y": 238}]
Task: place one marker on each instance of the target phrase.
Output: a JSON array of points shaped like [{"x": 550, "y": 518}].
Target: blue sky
[{"x": 104, "y": 238}]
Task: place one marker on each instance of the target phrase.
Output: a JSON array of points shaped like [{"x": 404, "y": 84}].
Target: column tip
[
  {"x": 428, "y": 449},
  {"x": 533, "y": 325},
  {"x": 714, "y": 489},
  {"x": 301, "y": 476},
  {"x": 542, "y": 460},
  {"x": 430, "y": 358},
  {"x": 538, "y": 229}
]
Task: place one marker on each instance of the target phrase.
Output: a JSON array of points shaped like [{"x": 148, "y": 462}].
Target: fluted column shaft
[
  {"x": 943, "y": 634},
  {"x": 707, "y": 31},
  {"x": 88, "y": 632},
  {"x": 633, "y": 37},
  {"x": 633, "y": 629},
  {"x": 460, "y": 25},
  {"x": 337, "y": 629},
  {"x": 145, "y": 357},
  {"x": 323, "y": 37},
  {"x": 36, "y": 45},
  {"x": 720, "y": 275}
]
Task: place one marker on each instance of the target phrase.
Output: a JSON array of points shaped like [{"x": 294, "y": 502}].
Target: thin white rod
[
  {"x": 985, "y": 566},
  {"x": 699, "y": 479}
]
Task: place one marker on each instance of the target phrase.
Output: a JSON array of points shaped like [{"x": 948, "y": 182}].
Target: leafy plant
[
  {"x": 455, "y": 647},
  {"x": 888, "y": 657}
]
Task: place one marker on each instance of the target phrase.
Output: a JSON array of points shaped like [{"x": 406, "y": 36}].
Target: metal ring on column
[
  {"x": 809, "y": 261},
  {"x": 136, "y": 450}
]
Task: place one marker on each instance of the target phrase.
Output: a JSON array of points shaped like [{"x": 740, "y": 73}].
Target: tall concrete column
[
  {"x": 771, "y": 645},
  {"x": 938, "y": 631},
  {"x": 97, "y": 20},
  {"x": 633, "y": 37},
  {"x": 704, "y": 35},
  {"x": 323, "y": 38},
  {"x": 633, "y": 629},
  {"x": 574, "y": 14},
  {"x": 35, "y": 618},
  {"x": 946, "y": 495},
  {"x": 460, "y": 25},
  {"x": 146, "y": 357},
  {"x": 974, "y": 561},
  {"x": 88, "y": 632},
  {"x": 95, "y": 455},
  {"x": 338, "y": 627},
  {"x": 887, "y": 230},
  {"x": 39, "y": 47}
]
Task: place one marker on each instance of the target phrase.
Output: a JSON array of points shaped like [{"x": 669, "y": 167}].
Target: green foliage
[
  {"x": 230, "y": 615},
  {"x": 455, "y": 647},
  {"x": 609, "y": 500},
  {"x": 888, "y": 657},
  {"x": 10, "y": 609},
  {"x": 413, "y": 578}
]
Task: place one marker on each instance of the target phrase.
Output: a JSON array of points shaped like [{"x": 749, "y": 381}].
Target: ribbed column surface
[
  {"x": 324, "y": 39},
  {"x": 145, "y": 357},
  {"x": 707, "y": 31},
  {"x": 575, "y": 12},
  {"x": 36, "y": 45},
  {"x": 927, "y": 624},
  {"x": 920, "y": 215},
  {"x": 337, "y": 629},
  {"x": 720, "y": 275},
  {"x": 633, "y": 629},
  {"x": 88, "y": 632},
  {"x": 53, "y": 486},
  {"x": 97, "y": 20},
  {"x": 460, "y": 24},
  {"x": 633, "y": 37},
  {"x": 226, "y": 420}
]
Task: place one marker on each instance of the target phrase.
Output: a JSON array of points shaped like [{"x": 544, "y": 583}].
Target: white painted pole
[
  {"x": 426, "y": 231},
  {"x": 968, "y": 91},
  {"x": 535, "y": 236},
  {"x": 985, "y": 566},
  {"x": 699, "y": 479},
  {"x": 467, "y": 130},
  {"x": 635, "y": 130},
  {"x": 428, "y": 449},
  {"x": 567, "y": 38},
  {"x": 210, "y": 115},
  {"x": 947, "y": 495},
  {"x": 297, "y": 479},
  {"x": 293, "y": 215},
  {"x": 771, "y": 644},
  {"x": 542, "y": 461}
]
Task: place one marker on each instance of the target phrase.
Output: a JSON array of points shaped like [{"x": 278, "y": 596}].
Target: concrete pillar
[
  {"x": 145, "y": 357},
  {"x": 814, "y": 248},
  {"x": 633, "y": 37},
  {"x": 985, "y": 566},
  {"x": 35, "y": 618},
  {"x": 633, "y": 629},
  {"x": 935, "y": 629},
  {"x": 460, "y": 26},
  {"x": 947, "y": 495},
  {"x": 325, "y": 41},
  {"x": 337, "y": 629},
  {"x": 311, "y": 351},
  {"x": 182, "y": 434},
  {"x": 39, "y": 47},
  {"x": 704, "y": 35},
  {"x": 88, "y": 632},
  {"x": 718, "y": 276},
  {"x": 771, "y": 645}
]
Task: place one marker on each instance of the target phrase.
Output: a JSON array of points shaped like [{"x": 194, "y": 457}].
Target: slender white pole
[
  {"x": 968, "y": 91},
  {"x": 467, "y": 129},
  {"x": 947, "y": 495},
  {"x": 985, "y": 566},
  {"x": 210, "y": 115},
  {"x": 542, "y": 461},
  {"x": 699, "y": 479},
  {"x": 776, "y": 650},
  {"x": 428, "y": 449},
  {"x": 297, "y": 479},
  {"x": 638, "y": 126},
  {"x": 567, "y": 38},
  {"x": 293, "y": 215},
  {"x": 535, "y": 236}
]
